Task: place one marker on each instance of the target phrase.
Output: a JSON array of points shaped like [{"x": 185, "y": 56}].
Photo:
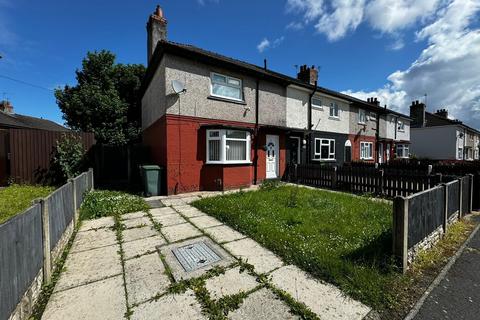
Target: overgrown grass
[
  {"x": 340, "y": 238},
  {"x": 102, "y": 203},
  {"x": 16, "y": 198}
]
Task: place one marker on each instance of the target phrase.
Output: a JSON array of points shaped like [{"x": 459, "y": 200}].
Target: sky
[{"x": 396, "y": 50}]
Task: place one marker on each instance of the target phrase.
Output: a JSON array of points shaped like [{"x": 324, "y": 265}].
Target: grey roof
[
  {"x": 433, "y": 120},
  {"x": 21, "y": 121}
]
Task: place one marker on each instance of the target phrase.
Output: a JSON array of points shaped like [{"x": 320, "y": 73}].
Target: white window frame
[
  {"x": 373, "y": 116},
  {"x": 476, "y": 154},
  {"x": 317, "y": 154},
  {"x": 401, "y": 126},
  {"x": 336, "y": 111},
  {"x": 460, "y": 155},
  {"x": 318, "y": 106},
  {"x": 405, "y": 151},
  {"x": 240, "y": 87},
  {"x": 363, "y": 154},
  {"x": 223, "y": 147},
  {"x": 362, "y": 113}
]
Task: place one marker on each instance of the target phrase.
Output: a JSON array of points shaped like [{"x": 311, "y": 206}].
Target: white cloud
[
  {"x": 267, "y": 44},
  {"x": 294, "y": 26},
  {"x": 446, "y": 70},
  {"x": 203, "y": 2},
  {"x": 346, "y": 15}
]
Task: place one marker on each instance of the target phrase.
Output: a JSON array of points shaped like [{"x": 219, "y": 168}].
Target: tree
[{"x": 104, "y": 100}]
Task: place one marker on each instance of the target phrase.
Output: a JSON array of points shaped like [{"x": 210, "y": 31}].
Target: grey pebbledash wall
[{"x": 32, "y": 241}]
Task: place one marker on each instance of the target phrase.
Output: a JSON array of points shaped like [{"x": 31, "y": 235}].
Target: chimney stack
[
  {"x": 156, "y": 31},
  {"x": 442, "y": 113},
  {"x": 308, "y": 74},
  {"x": 6, "y": 107},
  {"x": 417, "y": 113}
]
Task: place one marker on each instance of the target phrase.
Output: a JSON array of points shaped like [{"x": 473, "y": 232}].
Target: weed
[{"x": 102, "y": 203}]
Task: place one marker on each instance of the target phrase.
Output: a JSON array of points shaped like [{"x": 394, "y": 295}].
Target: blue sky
[{"x": 394, "y": 49}]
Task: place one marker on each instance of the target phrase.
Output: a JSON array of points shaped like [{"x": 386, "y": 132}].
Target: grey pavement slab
[
  {"x": 203, "y": 222},
  {"x": 223, "y": 234},
  {"x": 93, "y": 239},
  {"x": 162, "y": 211},
  {"x": 251, "y": 252},
  {"x": 102, "y": 300},
  {"x": 143, "y": 246},
  {"x": 145, "y": 277},
  {"x": 133, "y": 215},
  {"x": 326, "y": 300},
  {"x": 137, "y": 222},
  {"x": 457, "y": 296},
  {"x": 261, "y": 305},
  {"x": 173, "y": 202},
  {"x": 169, "y": 219},
  {"x": 88, "y": 266},
  {"x": 231, "y": 282},
  {"x": 138, "y": 233},
  {"x": 105, "y": 222},
  {"x": 170, "y": 307},
  {"x": 180, "y": 232},
  {"x": 189, "y": 211}
]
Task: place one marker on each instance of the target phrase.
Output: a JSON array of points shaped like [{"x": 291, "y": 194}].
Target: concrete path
[
  {"x": 101, "y": 283},
  {"x": 457, "y": 294}
]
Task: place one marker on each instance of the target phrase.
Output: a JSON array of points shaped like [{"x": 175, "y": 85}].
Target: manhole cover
[{"x": 195, "y": 256}]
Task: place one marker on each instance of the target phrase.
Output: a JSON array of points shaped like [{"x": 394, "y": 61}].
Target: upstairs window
[
  {"x": 403, "y": 150},
  {"x": 366, "y": 150},
  {"x": 362, "y": 116},
  {"x": 317, "y": 103},
  {"x": 334, "y": 110},
  {"x": 228, "y": 146},
  {"x": 226, "y": 87},
  {"x": 373, "y": 116},
  {"x": 401, "y": 125},
  {"x": 460, "y": 153},
  {"x": 324, "y": 149}
]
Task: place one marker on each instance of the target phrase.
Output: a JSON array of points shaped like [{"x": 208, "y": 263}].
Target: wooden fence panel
[{"x": 60, "y": 212}]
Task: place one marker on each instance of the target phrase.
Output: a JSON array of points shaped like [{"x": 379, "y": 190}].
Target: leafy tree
[{"x": 104, "y": 100}]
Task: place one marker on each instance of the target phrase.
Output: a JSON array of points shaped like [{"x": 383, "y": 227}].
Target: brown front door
[{"x": 3, "y": 157}]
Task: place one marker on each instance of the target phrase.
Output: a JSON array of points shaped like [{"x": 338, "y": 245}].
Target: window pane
[
  {"x": 226, "y": 91},
  {"x": 214, "y": 134},
  {"x": 236, "y": 150},
  {"x": 324, "y": 152},
  {"x": 236, "y": 134},
  {"x": 317, "y": 146},
  {"x": 234, "y": 82},
  {"x": 332, "y": 146},
  {"x": 219, "y": 79},
  {"x": 316, "y": 102},
  {"x": 214, "y": 150}
]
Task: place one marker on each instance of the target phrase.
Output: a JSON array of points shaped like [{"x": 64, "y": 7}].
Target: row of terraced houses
[{"x": 236, "y": 124}]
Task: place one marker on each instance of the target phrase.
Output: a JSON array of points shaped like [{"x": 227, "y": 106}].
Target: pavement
[
  {"x": 456, "y": 292},
  {"x": 98, "y": 282}
]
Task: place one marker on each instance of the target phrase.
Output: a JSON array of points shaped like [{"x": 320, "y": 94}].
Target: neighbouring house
[
  {"x": 214, "y": 122},
  {"x": 394, "y": 141},
  {"x": 26, "y": 144},
  {"x": 436, "y": 136}
]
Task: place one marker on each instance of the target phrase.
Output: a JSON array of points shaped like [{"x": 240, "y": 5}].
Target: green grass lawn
[
  {"x": 16, "y": 198},
  {"x": 337, "y": 237}
]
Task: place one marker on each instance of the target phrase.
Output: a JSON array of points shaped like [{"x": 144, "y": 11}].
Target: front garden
[{"x": 342, "y": 239}]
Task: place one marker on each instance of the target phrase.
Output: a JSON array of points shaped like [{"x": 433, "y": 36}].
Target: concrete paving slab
[
  {"x": 169, "y": 220},
  {"x": 93, "y": 239},
  {"x": 157, "y": 212},
  {"x": 180, "y": 232},
  {"x": 326, "y": 300},
  {"x": 190, "y": 199},
  {"x": 133, "y": 215},
  {"x": 203, "y": 222},
  {"x": 173, "y": 202},
  {"x": 105, "y": 222},
  {"x": 223, "y": 234},
  {"x": 231, "y": 282},
  {"x": 189, "y": 211},
  {"x": 260, "y": 305},
  {"x": 250, "y": 251},
  {"x": 145, "y": 277},
  {"x": 102, "y": 300},
  {"x": 170, "y": 307},
  {"x": 138, "y": 222},
  {"x": 138, "y": 233},
  {"x": 87, "y": 266},
  {"x": 143, "y": 246}
]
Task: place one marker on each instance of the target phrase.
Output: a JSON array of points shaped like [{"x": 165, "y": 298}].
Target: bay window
[
  {"x": 324, "y": 149},
  {"x": 228, "y": 146},
  {"x": 366, "y": 150},
  {"x": 226, "y": 87}
]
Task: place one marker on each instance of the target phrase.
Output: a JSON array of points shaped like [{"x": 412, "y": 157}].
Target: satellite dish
[{"x": 178, "y": 87}]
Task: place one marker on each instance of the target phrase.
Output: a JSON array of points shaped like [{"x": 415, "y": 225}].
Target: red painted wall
[
  {"x": 356, "y": 139},
  {"x": 179, "y": 144}
]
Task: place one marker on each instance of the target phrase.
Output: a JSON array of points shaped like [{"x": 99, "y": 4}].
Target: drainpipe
[
  {"x": 377, "y": 136},
  {"x": 310, "y": 125},
  {"x": 255, "y": 156}
]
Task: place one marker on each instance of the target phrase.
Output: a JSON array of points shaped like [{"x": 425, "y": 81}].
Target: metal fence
[
  {"x": 29, "y": 240},
  {"x": 421, "y": 218}
]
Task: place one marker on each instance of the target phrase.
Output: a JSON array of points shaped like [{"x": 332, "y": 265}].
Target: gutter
[
  {"x": 255, "y": 155},
  {"x": 310, "y": 125}
]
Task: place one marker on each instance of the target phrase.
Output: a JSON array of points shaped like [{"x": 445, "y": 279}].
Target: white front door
[
  {"x": 380, "y": 153},
  {"x": 272, "y": 156}
]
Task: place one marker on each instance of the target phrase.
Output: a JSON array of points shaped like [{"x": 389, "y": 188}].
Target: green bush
[{"x": 103, "y": 203}]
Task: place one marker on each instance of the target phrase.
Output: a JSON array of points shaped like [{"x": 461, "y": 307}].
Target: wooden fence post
[
  {"x": 445, "y": 214},
  {"x": 400, "y": 231},
  {"x": 334, "y": 178},
  {"x": 470, "y": 208},
  {"x": 381, "y": 182},
  {"x": 296, "y": 172},
  {"x": 47, "y": 262},
  {"x": 460, "y": 195}
]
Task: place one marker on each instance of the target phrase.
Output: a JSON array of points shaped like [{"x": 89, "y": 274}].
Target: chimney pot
[
  {"x": 308, "y": 74},
  {"x": 156, "y": 31}
]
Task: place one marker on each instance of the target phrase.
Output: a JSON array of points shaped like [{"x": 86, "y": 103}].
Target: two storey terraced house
[{"x": 214, "y": 122}]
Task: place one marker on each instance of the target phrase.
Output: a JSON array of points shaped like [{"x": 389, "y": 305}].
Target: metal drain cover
[{"x": 195, "y": 256}]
